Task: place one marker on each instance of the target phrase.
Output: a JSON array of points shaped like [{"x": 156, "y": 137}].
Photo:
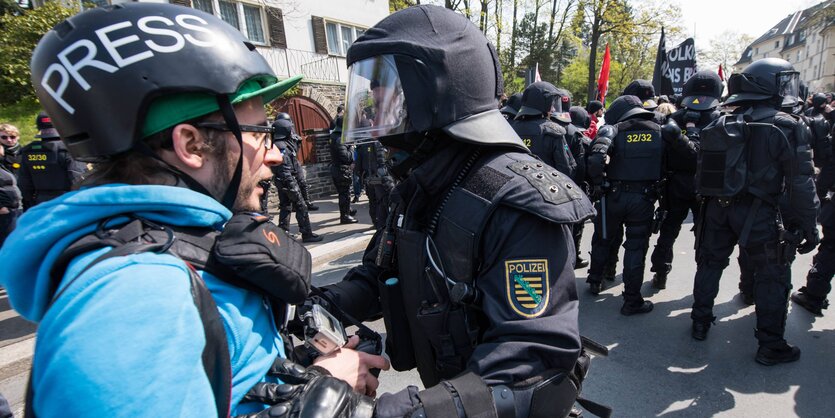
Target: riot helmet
[
  {"x": 282, "y": 129},
  {"x": 561, "y": 105},
  {"x": 283, "y": 116},
  {"x": 538, "y": 99},
  {"x": 768, "y": 79},
  {"x": 420, "y": 71},
  {"x": 337, "y": 124},
  {"x": 818, "y": 100},
  {"x": 702, "y": 91},
  {"x": 580, "y": 117},
  {"x": 105, "y": 100},
  {"x": 626, "y": 107},
  {"x": 46, "y": 130},
  {"x": 643, "y": 89},
  {"x": 511, "y": 107}
]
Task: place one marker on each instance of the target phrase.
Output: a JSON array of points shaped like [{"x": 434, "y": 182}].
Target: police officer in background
[
  {"x": 574, "y": 140},
  {"x": 342, "y": 173},
  {"x": 294, "y": 141},
  {"x": 539, "y": 133},
  {"x": 289, "y": 193},
  {"x": 370, "y": 165},
  {"x": 701, "y": 98},
  {"x": 629, "y": 184},
  {"x": 511, "y": 106},
  {"x": 473, "y": 273},
  {"x": 741, "y": 206},
  {"x": 646, "y": 92},
  {"x": 47, "y": 168}
]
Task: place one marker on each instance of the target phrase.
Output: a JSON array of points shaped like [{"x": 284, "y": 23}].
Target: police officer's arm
[
  {"x": 26, "y": 186},
  {"x": 529, "y": 302},
  {"x": 684, "y": 144},
  {"x": 796, "y": 159},
  {"x": 579, "y": 153},
  {"x": 596, "y": 161},
  {"x": 357, "y": 294}
]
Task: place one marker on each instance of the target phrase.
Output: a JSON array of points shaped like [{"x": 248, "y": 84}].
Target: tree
[
  {"x": 18, "y": 38},
  {"x": 724, "y": 49},
  {"x": 395, "y": 5}
]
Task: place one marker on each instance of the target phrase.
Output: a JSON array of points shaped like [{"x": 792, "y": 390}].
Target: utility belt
[
  {"x": 645, "y": 187},
  {"x": 725, "y": 202}
]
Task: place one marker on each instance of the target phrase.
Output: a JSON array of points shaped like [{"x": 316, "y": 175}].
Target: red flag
[
  {"x": 721, "y": 74},
  {"x": 603, "y": 79}
]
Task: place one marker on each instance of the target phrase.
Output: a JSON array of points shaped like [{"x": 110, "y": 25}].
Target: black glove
[
  {"x": 307, "y": 392},
  {"x": 670, "y": 132},
  {"x": 811, "y": 239}
]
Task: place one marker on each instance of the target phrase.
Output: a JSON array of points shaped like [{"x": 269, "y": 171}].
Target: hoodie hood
[{"x": 46, "y": 230}]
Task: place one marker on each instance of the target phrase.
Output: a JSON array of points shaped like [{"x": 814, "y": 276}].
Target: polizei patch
[{"x": 527, "y": 286}]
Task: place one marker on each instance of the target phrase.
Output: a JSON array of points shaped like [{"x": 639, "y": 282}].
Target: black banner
[
  {"x": 681, "y": 64},
  {"x": 660, "y": 81}
]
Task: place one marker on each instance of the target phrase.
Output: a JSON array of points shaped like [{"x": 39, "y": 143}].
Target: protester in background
[
  {"x": 595, "y": 110},
  {"x": 666, "y": 109},
  {"x": 9, "y": 137},
  {"x": 9, "y": 200}
]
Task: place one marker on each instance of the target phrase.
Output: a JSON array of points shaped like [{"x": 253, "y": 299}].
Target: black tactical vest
[
  {"x": 46, "y": 162},
  {"x": 440, "y": 339},
  {"x": 638, "y": 152}
]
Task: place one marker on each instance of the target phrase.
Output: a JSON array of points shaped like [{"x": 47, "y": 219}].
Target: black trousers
[
  {"x": 677, "y": 209},
  {"x": 723, "y": 226},
  {"x": 290, "y": 199},
  {"x": 632, "y": 211},
  {"x": 819, "y": 278}
]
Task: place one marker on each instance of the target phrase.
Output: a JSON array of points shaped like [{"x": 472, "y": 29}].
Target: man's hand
[
  {"x": 811, "y": 239},
  {"x": 354, "y": 367}
]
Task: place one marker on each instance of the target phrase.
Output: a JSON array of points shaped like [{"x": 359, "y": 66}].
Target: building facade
[{"x": 806, "y": 39}]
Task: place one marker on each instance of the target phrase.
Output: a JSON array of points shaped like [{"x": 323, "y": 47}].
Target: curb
[{"x": 326, "y": 253}]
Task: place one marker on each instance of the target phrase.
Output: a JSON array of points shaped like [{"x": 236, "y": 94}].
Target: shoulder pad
[
  {"x": 786, "y": 120},
  {"x": 552, "y": 128},
  {"x": 607, "y": 131},
  {"x": 527, "y": 184}
]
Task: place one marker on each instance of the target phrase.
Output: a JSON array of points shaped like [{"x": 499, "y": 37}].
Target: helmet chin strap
[{"x": 231, "y": 120}]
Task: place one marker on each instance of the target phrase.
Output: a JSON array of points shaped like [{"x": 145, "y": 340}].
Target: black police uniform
[
  {"x": 679, "y": 190},
  {"x": 341, "y": 173},
  {"x": 750, "y": 218},
  {"x": 576, "y": 145},
  {"x": 502, "y": 234},
  {"x": 289, "y": 193},
  {"x": 47, "y": 171},
  {"x": 636, "y": 152},
  {"x": 547, "y": 141},
  {"x": 371, "y": 167}
]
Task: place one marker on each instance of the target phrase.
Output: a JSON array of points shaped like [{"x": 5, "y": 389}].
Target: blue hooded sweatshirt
[{"x": 125, "y": 338}]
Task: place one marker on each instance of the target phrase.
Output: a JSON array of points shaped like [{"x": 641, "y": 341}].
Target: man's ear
[{"x": 188, "y": 144}]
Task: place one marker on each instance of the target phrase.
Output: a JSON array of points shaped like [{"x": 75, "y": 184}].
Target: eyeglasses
[
  {"x": 261, "y": 129},
  {"x": 8, "y": 137}
]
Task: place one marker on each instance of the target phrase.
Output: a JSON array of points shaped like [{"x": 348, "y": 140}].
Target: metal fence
[{"x": 289, "y": 62}]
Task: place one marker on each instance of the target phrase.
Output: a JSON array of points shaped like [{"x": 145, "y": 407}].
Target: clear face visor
[
  {"x": 375, "y": 105},
  {"x": 788, "y": 84}
]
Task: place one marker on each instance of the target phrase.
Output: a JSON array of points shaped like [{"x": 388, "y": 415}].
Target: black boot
[
  {"x": 782, "y": 352},
  {"x": 352, "y": 212},
  {"x": 629, "y": 309},
  {"x": 746, "y": 298},
  {"x": 700, "y": 329},
  {"x": 659, "y": 281},
  {"x": 811, "y": 303},
  {"x": 347, "y": 219},
  {"x": 312, "y": 207},
  {"x": 580, "y": 262},
  {"x": 595, "y": 284},
  {"x": 610, "y": 272},
  {"x": 311, "y": 237}
]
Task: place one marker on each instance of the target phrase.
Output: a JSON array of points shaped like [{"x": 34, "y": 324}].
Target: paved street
[{"x": 655, "y": 368}]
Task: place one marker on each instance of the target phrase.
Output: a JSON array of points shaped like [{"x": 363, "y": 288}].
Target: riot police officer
[
  {"x": 511, "y": 106},
  {"x": 289, "y": 193},
  {"x": 746, "y": 160},
  {"x": 701, "y": 98},
  {"x": 635, "y": 147},
  {"x": 47, "y": 168},
  {"x": 370, "y": 165},
  {"x": 541, "y": 135},
  {"x": 298, "y": 173},
  {"x": 472, "y": 273},
  {"x": 342, "y": 173},
  {"x": 576, "y": 145}
]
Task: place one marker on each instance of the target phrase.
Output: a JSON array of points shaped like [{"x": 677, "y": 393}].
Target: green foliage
[
  {"x": 18, "y": 39},
  {"x": 395, "y": 5},
  {"x": 22, "y": 115},
  {"x": 9, "y": 6}
]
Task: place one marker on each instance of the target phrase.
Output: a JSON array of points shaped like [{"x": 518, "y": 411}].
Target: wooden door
[{"x": 310, "y": 119}]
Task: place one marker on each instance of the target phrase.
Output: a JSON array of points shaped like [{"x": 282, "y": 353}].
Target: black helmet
[
  {"x": 425, "y": 68},
  {"x": 45, "y": 128},
  {"x": 337, "y": 124},
  {"x": 818, "y": 100},
  {"x": 512, "y": 105},
  {"x": 702, "y": 91},
  {"x": 538, "y": 99},
  {"x": 641, "y": 88},
  {"x": 771, "y": 79},
  {"x": 113, "y": 75},
  {"x": 625, "y": 107},
  {"x": 282, "y": 129},
  {"x": 283, "y": 116},
  {"x": 580, "y": 117},
  {"x": 561, "y": 106}
]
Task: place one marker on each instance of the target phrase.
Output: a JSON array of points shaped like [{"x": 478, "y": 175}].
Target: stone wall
[{"x": 328, "y": 95}]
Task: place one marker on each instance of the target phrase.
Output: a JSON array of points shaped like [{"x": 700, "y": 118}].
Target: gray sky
[{"x": 753, "y": 17}]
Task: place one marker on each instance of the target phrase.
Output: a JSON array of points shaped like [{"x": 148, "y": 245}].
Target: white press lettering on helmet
[{"x": 67, "y": 68}]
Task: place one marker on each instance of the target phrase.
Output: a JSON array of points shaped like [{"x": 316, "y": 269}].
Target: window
[
  {"x": 798, "y": 56},
  {"x": 777, "y": 44},
  {"x": 340, "y": 37},
  {"x": 234, "y": 13},
  {"x": 801, "y": 36},
  {"x": 757, "y": 50}
]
